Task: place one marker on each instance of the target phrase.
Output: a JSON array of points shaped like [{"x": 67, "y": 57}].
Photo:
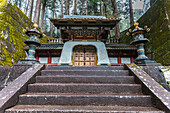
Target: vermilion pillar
[
  {"x": 49, "y": 58},
  {"x": 71, "y": 37},
  {"x": 97, "y": 37},
  {"x": 37, "y": 58},
  {"x": 132, "y": 59},
  {"x": 119, "y": 58}
]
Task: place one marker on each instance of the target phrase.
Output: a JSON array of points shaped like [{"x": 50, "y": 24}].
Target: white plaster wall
[{"x": 66, "y": 56}]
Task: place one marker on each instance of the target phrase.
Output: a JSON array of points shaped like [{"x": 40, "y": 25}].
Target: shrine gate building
[{"x": 85, "y": 43}]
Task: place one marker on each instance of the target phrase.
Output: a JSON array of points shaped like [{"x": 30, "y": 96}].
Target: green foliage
[
  {"x": 93, "y": 7},
  {"x": 52, "y": 3}
]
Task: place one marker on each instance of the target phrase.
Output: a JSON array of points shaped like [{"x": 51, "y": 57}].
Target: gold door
[{"x": 84, "y": 56}]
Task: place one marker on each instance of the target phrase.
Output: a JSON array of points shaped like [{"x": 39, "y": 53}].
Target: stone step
[
  {"x": 80, "y": 109},
  {"x": 85, "y": 88},
  {"x": 84, "y": 99},
  {"x": 84, "y": 68},
  {"x": 85, "y": 79},
  {"x": 86, "y": 72}
]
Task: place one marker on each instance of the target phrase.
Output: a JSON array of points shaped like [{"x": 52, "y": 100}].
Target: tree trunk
[
  {"x": 131, "y": 13},
  {"x": 44, "y": 25},
  {"x": 51, "y": 29},
  {"x": 26, "y": 12},
  {"x": 16, "y": 2},
  {"x": 66, "y": 7},
  {"x": 152, "y": 2},
  {"x": 37, "y": 12},
  {"x": 75, "y": 7},
  {"x": 30, "y": 9},
  {"x": 101, "y": 7},
  {"x": 105, "y": 9},
  {"x": 117, "y": 30},
  {"x": 51, "y": 25},
  {"x": 82, "y": 8},
  {"x": 95, "y": 8},
  {"x": 42, "y": 14},
  {"x": 20, "y": 4},
  {"x": 62, "y": 8},
  {"x": 45, "y": 20},
  {"x": 86, "y": 8},
  {"x": 25, "y": 7}
]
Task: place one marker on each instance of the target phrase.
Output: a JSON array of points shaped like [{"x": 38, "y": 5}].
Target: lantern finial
[
  {"x": 136, "y": 24},
  {"x": 35, "y": 26}
]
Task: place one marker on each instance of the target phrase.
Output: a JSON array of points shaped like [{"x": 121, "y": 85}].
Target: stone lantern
[
  {"x": 139, "y": 41},
  {"x": 32, "y": 42}
]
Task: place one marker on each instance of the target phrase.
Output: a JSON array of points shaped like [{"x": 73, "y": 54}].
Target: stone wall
[
  {"x": 157, "y": 18},
  {"x": 156, "y": 73},
  {"x": 8, "y": 74},
  {"x": 12, "y": 23}
]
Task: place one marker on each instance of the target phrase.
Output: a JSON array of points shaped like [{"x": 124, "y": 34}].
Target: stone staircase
[{"x": 84, "y": 90}]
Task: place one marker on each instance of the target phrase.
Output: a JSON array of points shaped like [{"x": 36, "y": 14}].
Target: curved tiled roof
[
  {"x": 120, "y": 47},
  {"x": 83, "y": 16},
  {"x": 50, "y": 46}
]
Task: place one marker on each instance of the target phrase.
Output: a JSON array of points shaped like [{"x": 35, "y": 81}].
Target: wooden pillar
[
  {"x": 37, "y": 58},
  {"x": 119, "y": 58},
  {"x": 131, "y": 59},
  {"x": 49, "y": 58},
  {"x": 71, "y": 37},
  {"x": 133, "y": 56},
  {"x": 97, "y": 37}
]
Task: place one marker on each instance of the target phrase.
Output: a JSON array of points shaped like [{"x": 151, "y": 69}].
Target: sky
[{"x": 138, "y": 4}]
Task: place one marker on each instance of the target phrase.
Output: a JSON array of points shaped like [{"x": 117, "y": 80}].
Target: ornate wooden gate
[{"x": 84, "y": 56}]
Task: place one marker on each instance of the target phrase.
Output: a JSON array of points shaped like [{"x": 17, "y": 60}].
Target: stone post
[
  {"x": 32, "y": 42},
  {"x": 139, "y": 41}
]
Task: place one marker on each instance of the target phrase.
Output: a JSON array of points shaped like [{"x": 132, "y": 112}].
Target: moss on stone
[
  {"x": 157, "y": 18},
  {"x": 12, "y": 23}
]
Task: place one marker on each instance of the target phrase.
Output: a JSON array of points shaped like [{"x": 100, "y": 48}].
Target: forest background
[
  {"x": 39, "y": 11},
  {"x": 153, "y": 13}
]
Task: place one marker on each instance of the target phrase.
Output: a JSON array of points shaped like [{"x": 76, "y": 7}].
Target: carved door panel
[
  {"x": 78, "y": 56},
  {"x": 90, "y": 56},
  {"x": 84, "y": 56}
]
